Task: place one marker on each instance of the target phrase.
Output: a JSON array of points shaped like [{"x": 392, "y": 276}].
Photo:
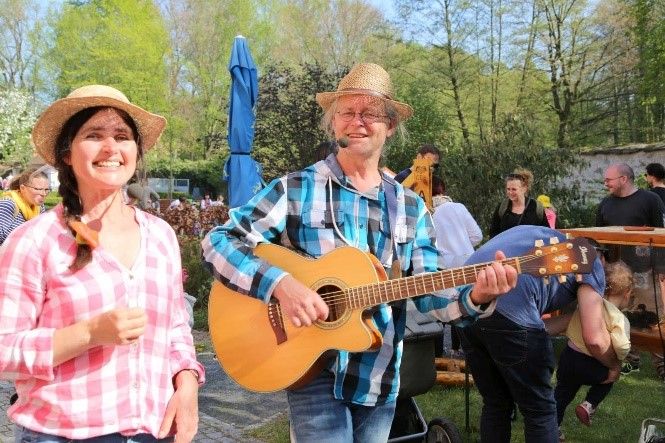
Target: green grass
[{"x": 619, "y": 418}]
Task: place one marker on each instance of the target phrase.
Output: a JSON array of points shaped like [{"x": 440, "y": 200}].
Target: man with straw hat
[
  {"x": 345, "y": 200},
  {"x": 92, "y": 308}
]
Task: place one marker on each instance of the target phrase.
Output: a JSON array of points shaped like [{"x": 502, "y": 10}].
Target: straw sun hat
[
  {"x": 366, "y": 79},
  {"x": 51, "y": 121}
]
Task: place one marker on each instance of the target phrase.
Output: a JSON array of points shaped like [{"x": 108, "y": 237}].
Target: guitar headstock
[{"x": 559, "y": 258}]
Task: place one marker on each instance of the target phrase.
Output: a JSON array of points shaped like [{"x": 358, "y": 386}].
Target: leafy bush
[
  {"x": 200, "y": 280},
  {"x": 52, "y": 199}
]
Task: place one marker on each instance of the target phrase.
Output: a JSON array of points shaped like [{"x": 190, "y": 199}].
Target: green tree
[
  {"x": 21, "y": 24},
  {"x": 287, "y": 122},
  {"x": 475, "y": 175},
  {"x": 331, "y": 33},
  {"x": 650, "y": 37},
  {"x": 120, "y": 43}
]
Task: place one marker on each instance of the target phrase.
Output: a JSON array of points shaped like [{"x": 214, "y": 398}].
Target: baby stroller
[{"x": 417, "y": 376}]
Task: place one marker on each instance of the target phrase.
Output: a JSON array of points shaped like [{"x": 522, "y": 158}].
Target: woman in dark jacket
[{"x": 518, "y": 208}]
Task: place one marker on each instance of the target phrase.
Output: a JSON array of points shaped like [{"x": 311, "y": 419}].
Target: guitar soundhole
[{"x": 333, "y": 298}]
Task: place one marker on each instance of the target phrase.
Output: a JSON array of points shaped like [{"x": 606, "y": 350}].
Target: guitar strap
[{"x": 391, "y": 200}]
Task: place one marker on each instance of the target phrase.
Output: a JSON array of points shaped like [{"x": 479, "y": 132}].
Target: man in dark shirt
[
  {"x": 656, "y": 179},
  {"x": 628, "y": 205}
]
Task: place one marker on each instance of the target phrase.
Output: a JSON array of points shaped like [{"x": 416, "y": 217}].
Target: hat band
[{"x": 364, "y": 92}]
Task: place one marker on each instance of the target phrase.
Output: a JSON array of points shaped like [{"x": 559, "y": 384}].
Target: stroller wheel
[{"x": 442, "y": 430}]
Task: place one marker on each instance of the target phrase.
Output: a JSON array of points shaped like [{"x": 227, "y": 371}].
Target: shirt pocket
[
  {"x": 404, "y": 236},
  {"x": 319, "y": 216}
]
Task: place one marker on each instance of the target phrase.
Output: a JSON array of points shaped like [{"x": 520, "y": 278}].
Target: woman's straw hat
[
  {"x": 50, "y": 122},
  {"x": 366, "y": 79}
]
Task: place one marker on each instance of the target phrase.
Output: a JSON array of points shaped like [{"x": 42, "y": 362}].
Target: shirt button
[{"x": 136, "y": 385}]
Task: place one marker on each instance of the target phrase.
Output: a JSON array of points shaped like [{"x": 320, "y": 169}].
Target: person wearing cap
[
  {"x": 91, "y": 301},
  {"x": 23, "y": 201},
  {"x": 548, "y": 209},
  {"x": 345, "y": 200}
]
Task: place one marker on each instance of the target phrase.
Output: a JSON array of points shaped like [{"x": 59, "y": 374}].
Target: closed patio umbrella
[{"x": 241, "y": 172}]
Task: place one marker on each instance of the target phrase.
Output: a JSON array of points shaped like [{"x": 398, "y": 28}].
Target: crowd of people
[{"x": 94, "y": 313}]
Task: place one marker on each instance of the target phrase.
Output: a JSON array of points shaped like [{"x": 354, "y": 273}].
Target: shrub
[
  {"x": 52, "y": 199},
  {"x": 200, "y": 280}
]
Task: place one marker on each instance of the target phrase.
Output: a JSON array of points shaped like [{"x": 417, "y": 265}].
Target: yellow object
[
  {"x": 420, "y": 180},
  {"x": 28, "y": 211},
  {"x": 545, "y": 200}
]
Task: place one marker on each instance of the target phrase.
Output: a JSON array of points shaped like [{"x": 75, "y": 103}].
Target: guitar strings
[{"x": 361, "y": 294}]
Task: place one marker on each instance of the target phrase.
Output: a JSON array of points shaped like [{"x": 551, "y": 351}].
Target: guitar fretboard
[{"x": 401, "y": 288}]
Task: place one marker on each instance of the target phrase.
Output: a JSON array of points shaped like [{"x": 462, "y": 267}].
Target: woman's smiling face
[{"x": 104, "y": 152}]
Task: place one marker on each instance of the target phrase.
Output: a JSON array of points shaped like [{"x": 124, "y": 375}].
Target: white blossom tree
[{"x": 17, "y": 116}]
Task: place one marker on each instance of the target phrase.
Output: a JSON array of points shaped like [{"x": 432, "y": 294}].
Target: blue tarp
[{"x": 241, "y": 172}]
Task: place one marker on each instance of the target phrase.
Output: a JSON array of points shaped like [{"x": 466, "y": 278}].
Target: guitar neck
[{"x": 401, "y": 288}]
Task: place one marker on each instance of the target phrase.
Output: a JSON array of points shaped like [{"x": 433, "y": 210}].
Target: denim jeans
[
  {"x": 574, "y": 370},
  {"x": 24, "y": 435},
  {"x": 512, "y": 364},
  {"x": 316, "y": 416}
]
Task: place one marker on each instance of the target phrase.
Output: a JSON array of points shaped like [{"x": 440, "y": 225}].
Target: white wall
[{"x": 589, "y": 176}]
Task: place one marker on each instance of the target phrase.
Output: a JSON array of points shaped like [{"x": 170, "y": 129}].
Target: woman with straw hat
[
  {"x": 23, "y": 201},
  {"x": 345, "y": 199},
  {"x": 91, "y": 301}
]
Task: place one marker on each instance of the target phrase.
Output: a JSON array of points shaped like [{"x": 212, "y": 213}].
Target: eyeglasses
[
  {"x": 367, "y": 117},
  {"x": 605, "y": 180},
  {"x": 43, "y": 190}
]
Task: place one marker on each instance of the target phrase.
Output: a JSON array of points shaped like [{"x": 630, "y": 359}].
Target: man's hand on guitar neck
[
  {"x": 300, "y": 304},
  {"x": 494, "y": 280}
]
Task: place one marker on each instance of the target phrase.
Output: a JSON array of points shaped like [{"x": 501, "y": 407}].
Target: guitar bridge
[{"x": 276, "y": 322}]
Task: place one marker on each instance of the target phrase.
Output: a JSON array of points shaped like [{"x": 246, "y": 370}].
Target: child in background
[{"x": 576, "y": 366}]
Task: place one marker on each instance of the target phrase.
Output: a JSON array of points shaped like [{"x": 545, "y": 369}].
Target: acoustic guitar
[{"x": 262, "y": 351}]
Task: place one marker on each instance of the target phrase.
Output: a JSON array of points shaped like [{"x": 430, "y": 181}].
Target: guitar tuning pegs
[
  {"x": 569, "y": 236},
  {"x": 554, "y": 240},
  {"x": 579, "y": 278},
  {"x": 546, "y": 280},
  {"x": 562, "y": 279},
  {"x": 539, "y": 243}
]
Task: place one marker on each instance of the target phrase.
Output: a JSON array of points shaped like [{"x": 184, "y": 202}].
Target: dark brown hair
[{"x": 68, "y": 188}]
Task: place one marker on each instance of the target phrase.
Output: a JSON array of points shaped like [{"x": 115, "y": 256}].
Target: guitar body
[{"x": 263, "y": 351}]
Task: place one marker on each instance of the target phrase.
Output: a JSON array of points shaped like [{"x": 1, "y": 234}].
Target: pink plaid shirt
[{"x": 107, "y": 389}]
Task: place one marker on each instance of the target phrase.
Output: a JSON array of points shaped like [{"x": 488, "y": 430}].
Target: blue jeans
[
  {"x": 24, "y": 435},
  {"x": 316, "y": 416},
  {"x": 512, "y": 364}
]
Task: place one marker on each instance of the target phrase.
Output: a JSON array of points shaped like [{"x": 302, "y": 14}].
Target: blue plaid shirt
[{"x": 304, "y": 211}]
